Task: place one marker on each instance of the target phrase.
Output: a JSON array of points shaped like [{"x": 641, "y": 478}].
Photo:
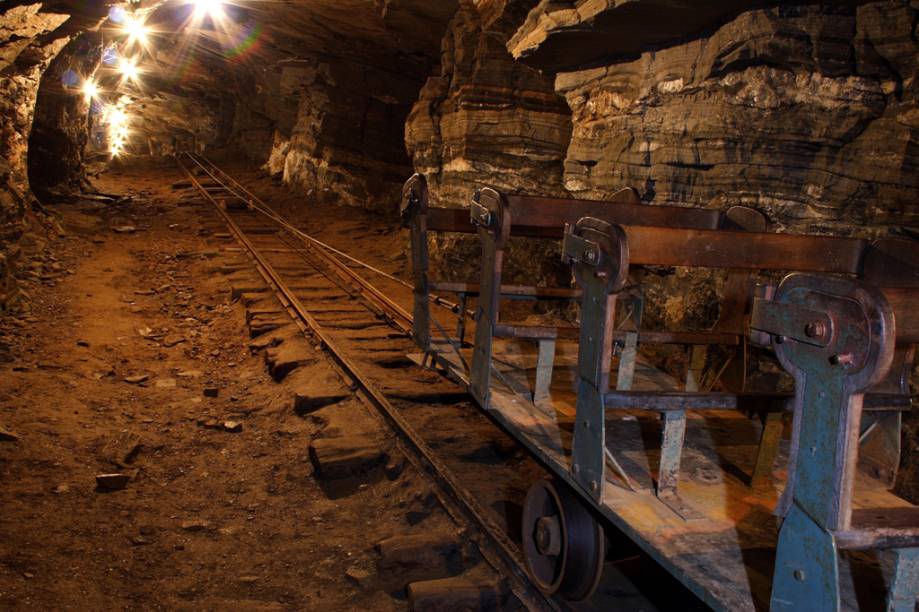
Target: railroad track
[{"x": 366, "y": 335}]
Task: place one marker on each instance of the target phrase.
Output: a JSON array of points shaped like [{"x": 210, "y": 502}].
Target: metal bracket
[
  {"x": 414, "y": 199},
  {"x": 578, "y": 250},
  {"x": 792, "y": 321},
  {"x": 479, "y": 215},
  {"x": 600, "y": 276}
]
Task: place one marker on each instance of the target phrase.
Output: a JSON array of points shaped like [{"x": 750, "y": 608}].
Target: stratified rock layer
[
  {"x": 485, "y": 119},
  {"x": 808, "y": 114},
  {"x": 327, "y": 106},
  {"x": 569, "y": 35}
]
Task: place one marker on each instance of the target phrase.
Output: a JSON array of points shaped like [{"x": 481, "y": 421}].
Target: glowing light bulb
[
  {"x": 117, "y": 118},
  {"x": 90, "y": 89},
  {"x": 136, "y": 29},
  {"x": 210, "y": 8},
  {"x": 128, "y": 69}
]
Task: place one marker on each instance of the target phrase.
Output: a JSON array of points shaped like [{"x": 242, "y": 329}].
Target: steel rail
[
  {"x": 391, "y": 309},
  {"x": 262, "y": 207},
  {"x": 498, "y": 549}
]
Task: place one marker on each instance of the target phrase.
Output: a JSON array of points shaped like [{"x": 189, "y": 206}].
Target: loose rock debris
[
  {"x": 112, "y": 482},
  {"x": 245, "y": 515}
]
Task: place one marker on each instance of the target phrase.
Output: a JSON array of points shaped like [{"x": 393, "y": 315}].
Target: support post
[
  {"x": 545, "y": 360},
  {"x": 836, "y": 338},
  {"x": 902, "y": 592},
  {"x": 413, "y": 211},
  {"x": 628, "y": 356},
  {"x": 490, "y": 212},
  {"x": 598, "y": 255},
  {"x": 768, "y": 449}
]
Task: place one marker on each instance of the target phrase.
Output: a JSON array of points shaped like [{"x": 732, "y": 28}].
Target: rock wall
[
  {"x": 330, "y": 127},
  {"x": 346, "y": 143},
  {"x": 485, "y": 119},
  {"x": 60, "y": 130},
  {"x": 27, "y": 47},
  {"x": 810, "y": 114},
  {"x": 325, "y": 107}
]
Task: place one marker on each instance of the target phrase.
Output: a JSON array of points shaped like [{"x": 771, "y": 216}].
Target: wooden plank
[
  {"x": 878, "y": 528},
  {"x": 563, "y": 332},
  {"x": 450, "y": 220},
  {"x": 667, "y": 401}
]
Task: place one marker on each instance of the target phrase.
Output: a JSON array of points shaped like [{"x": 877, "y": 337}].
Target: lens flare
[
  {"x": 90, "y": 89},
  {"x": 116, "y": 121},
  {"x": 208, "y": 8},
  {"x": 128, "y": 68},
  {"x": 136, "y": 30}
]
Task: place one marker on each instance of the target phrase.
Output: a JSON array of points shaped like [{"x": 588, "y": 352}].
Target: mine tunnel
[{"x": 459, "y": 305}]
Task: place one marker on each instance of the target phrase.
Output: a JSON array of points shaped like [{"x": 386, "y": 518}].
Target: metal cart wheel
[{"x": 563, "y": 544}]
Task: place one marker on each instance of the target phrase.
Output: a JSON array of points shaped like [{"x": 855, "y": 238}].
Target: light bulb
[
  {"x": 136, "y": 30},
  {"x": 90, "y": 89},
  {"x": 210, "y": 8},
  {"x": 128, "y": 69}
]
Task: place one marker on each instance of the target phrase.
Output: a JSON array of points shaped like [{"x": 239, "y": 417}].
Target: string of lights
[{"x": 125, "y": 55}]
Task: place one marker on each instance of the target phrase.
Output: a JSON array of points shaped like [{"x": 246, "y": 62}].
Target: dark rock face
[
  {"x": 809, "y": 114},
  {"x": 27, "y": 46},
  {"x": 60, "y": 130},
  {"x": 326, "y": 109},
  {"x": 559, "y": 36}
]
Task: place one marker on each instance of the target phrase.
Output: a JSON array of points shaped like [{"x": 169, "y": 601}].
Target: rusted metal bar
[
  {"x": 414, "y": 208},
  {"x": 664, "y": 246},
  {"x": 526, "y": 291},
  {"x": 493, "y": 228}
]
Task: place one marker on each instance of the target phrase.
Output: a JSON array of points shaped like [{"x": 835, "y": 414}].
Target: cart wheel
[{"x": 563, "y": 545}]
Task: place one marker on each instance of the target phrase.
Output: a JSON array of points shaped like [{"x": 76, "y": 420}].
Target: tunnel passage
[{"x": 168, "y": 165}]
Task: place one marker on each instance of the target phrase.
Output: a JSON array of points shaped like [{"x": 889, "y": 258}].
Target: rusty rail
[{"x": 495, "y": 545}]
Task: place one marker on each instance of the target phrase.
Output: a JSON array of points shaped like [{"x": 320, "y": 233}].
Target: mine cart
[{"x": 754, "y": 499}]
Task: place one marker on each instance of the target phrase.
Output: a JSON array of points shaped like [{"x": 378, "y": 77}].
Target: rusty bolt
[
  {"x": 815, "y": 329},
  {"x": 843, "y": 359}
]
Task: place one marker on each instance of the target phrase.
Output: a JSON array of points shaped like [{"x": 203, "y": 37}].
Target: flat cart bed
[{"x": 727, "y": 555}]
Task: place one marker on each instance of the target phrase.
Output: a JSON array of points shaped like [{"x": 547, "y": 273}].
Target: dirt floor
[{"x": 134, "y": 360}]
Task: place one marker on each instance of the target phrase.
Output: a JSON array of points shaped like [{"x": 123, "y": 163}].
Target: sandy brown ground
[{"x": 210, "y": 519}]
